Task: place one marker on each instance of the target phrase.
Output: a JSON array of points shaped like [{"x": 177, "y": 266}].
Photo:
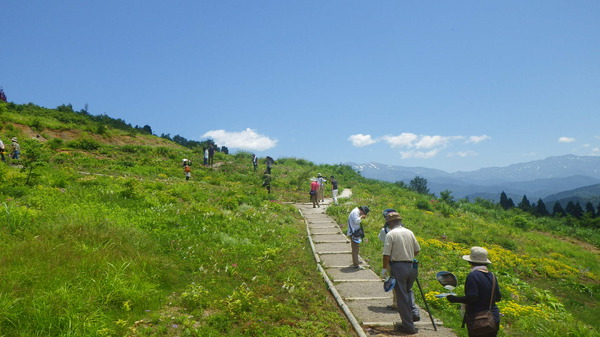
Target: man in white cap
[{"x": 399, "y": 251}]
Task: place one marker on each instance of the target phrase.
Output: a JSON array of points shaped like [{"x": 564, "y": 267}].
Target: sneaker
[{"x": 359, "y": 267}]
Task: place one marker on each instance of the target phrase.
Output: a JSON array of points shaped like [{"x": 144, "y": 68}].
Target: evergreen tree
[
  {"x": 505, "y": 202},
  {"x": 419, "y": 185},
  {"x": 574, "y": 209},
  {"x": 524, "y": 204},
  {"x": 570, "y": 209},
  {"x": 540, "y": 209},
  {"x": 578, "y": 210},
  {"x": 589, "y": 210},
  {"x": 558, "y": 210}
]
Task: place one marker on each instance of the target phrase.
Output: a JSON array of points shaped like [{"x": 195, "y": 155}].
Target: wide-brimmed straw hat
[{"x": 478, "y": 255}]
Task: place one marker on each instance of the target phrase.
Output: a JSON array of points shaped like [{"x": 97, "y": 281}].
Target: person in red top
[{"x": 314, "y": 188}]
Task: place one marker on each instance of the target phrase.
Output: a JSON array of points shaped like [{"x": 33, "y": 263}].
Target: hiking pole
[{"x": 416, "y": 266}]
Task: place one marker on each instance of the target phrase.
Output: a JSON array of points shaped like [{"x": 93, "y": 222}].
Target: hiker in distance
[
  {"x": 16, "y": 148},
  {"x": 314, "y": 190},
  {"x": 481, "y": 291},
  {"x": 399, "y": 251},
  {"x": 205, "y": 156},
  {"x": 321, "y": 182},
  {"x": 211, "y": 155},
  {"x": 254, "y": 161},
  {"x": 267, "y": 181},
  {"x": 356, "y": 233},
  {"x": 2, "y": 150},
  {"x": 187, "y": 170},
  {"x": 269, "y": 161},
  {"x": 334, "y": 189}
]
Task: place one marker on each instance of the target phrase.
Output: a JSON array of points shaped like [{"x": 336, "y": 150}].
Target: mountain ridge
[{"x": 536, "y": 179}]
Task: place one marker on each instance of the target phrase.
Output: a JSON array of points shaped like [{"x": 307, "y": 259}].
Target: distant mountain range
[{"x": 560, "y": 178}]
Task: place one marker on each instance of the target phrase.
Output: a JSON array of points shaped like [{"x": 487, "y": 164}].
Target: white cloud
[
  {"x": 428, "y": 142},
  {"x": 463, "y": 154},
  {"x": 596, "y": 151},
  {"x": 361, "y": 140},
  {"x": 566, "y": 139},
  {"x": 478, "y": 139},
  {"x": 419, "y": 154},
  {"x": 244, "y": 140},
  {"x": 405, "y": 139}
]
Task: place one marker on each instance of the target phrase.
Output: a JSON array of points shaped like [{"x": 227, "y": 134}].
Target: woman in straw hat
[{"x": 481, "y": 290}]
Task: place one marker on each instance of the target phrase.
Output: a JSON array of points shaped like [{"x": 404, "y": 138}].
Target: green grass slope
[{"x": 100, "y": 235}]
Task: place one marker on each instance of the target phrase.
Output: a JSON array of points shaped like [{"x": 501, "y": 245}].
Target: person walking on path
[
  {"x": 394, "y": 306},
  {"x": 267, "y": 181},
  {"x": 16, "y": 149},
  {"x": 187, "y": 170},
  {"x": 205, "y": 156},
  {"x": 254, "y": 161},
  {"x": 334, "y": 189},
  {"x": 481, "y": 290},
  {"x": 314, "y": 190},
  {"x": 321, "y": 182},
  {"x": 355, "y": 232},
  {"x": 399, "y": 251},
  {"x": 2, "y": 150}
]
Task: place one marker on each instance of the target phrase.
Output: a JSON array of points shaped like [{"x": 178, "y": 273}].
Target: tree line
[{"x": 573, "y": 209}]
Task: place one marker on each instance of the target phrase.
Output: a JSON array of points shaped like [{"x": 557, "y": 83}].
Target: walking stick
[{"x": 416, "y": 266}]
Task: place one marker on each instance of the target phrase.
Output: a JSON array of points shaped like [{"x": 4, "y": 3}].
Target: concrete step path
[{"x": 358, "y": 292}]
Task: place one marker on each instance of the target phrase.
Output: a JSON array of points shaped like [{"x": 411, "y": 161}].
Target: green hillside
[{"x": 101, "y": 235}]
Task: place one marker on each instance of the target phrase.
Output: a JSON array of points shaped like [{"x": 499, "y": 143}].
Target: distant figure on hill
[
  {"x": 334, "y": 189},
  {"x": 321, "y": 182},
  {"x": 205, "y": 156},
  {"x": 211, "y": 155},
  {"x": 187, "y": 170},
  {"x": 269, "y": 161},
  {"x": 267, "y": 181},
  {"x": 254, "y": 161},
  {"x": 16, "y": 149},
  {"x": 314, "y": 191},
  {"x": 185, "y": 162},
  {"x": 2, "y": 150}
]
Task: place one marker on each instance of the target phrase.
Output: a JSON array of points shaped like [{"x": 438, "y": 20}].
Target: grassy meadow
[{"x": 100, "y": 235}]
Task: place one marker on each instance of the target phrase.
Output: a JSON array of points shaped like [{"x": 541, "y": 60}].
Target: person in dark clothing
[
  {"x": 211, "y": 155},
  {"x": 267, "y": 181},
  {"x": 478, "y": 289}
]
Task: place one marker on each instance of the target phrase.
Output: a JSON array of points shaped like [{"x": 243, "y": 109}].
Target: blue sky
[{"x": 452, "y": 85}]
